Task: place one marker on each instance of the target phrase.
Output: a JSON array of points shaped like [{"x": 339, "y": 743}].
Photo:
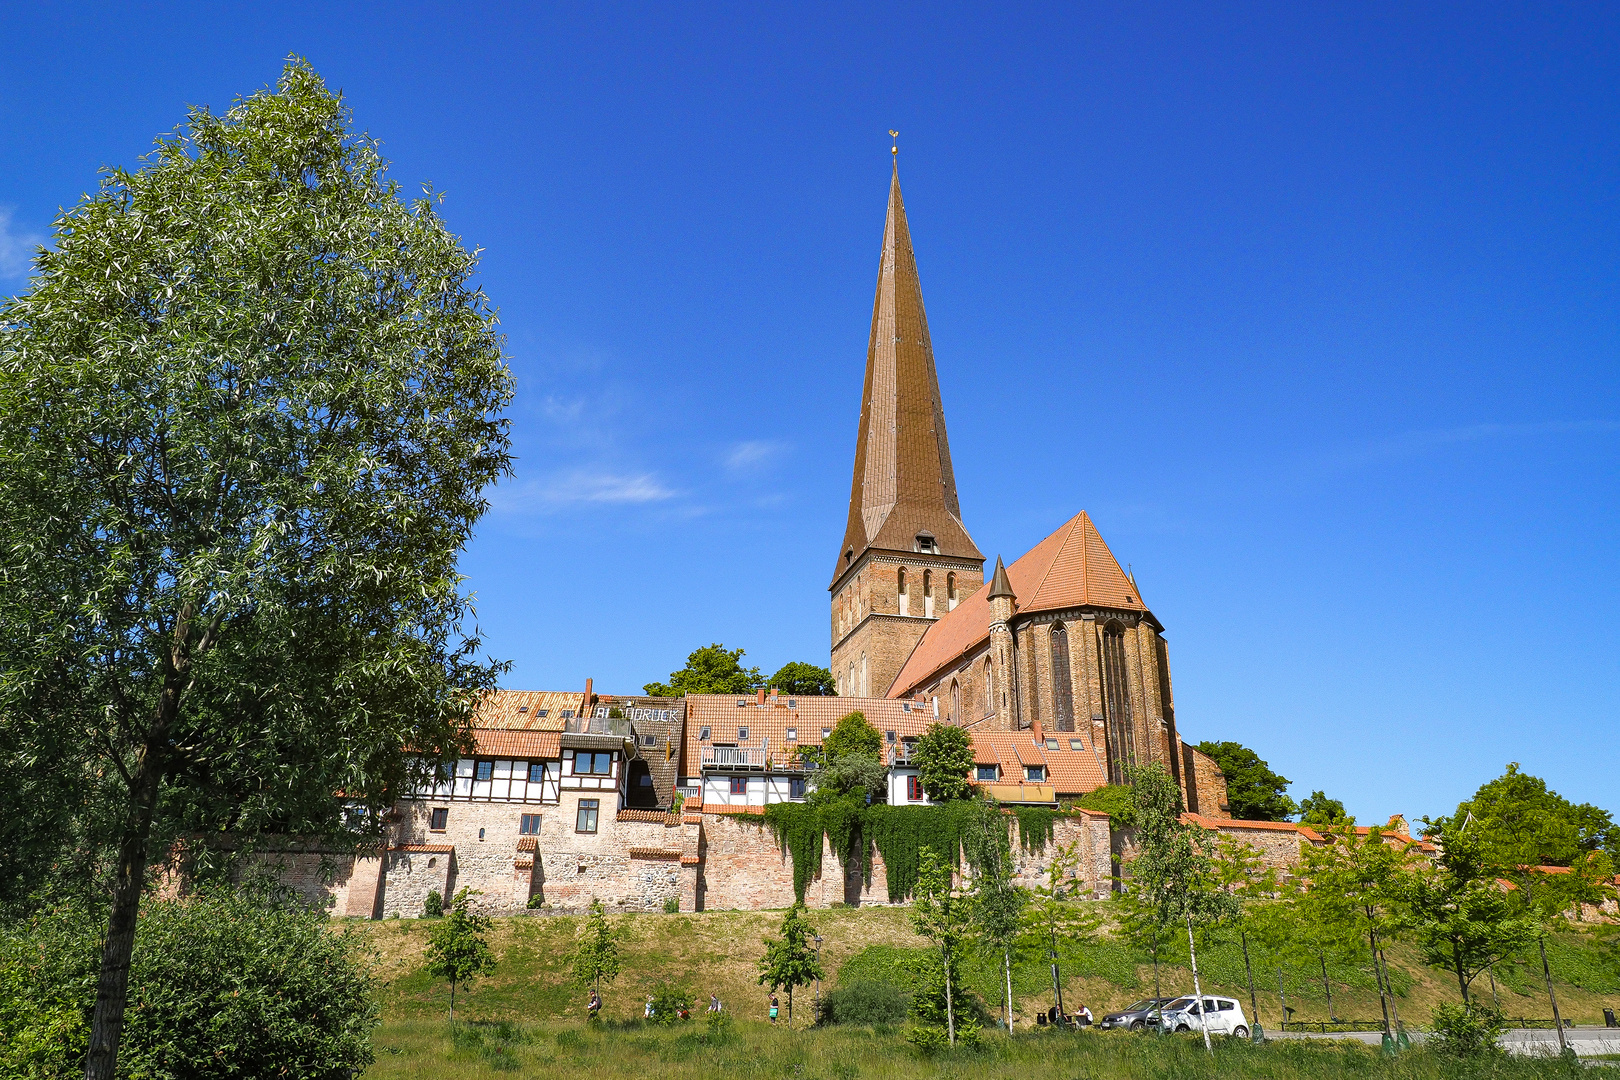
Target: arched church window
[
  {"x": 905, "y": 598},
  {"x": 1117, "y": 702},
  {"x": 928, "y": 594},
  {"x": 950, "y": 592},
  {"x": 989, "y": 689},
  {"x": 956, "y": 701},
  {"x": 1062, "y": 684},
  {"x": 866, "y": 689}
]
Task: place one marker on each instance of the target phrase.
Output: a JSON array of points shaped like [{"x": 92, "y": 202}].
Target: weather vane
[{"x": 895, "y": 135}]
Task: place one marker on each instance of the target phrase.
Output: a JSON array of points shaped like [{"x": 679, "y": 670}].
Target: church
[{"x": 1059, "y": 645}]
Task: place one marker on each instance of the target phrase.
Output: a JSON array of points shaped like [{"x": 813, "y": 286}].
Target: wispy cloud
[
  {"x": 16, "y": 246},
  {"x": 579, "y": 487},
  {"x": 755, "y": 454}
]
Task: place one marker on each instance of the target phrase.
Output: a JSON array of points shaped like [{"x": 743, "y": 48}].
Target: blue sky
[{"x": 1314, "y": 307}]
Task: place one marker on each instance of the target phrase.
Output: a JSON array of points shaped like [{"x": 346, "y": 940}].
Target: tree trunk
[
  {"x": 1378, "y": 977},
  {"x": 1395, "y": 1010},
  {"x": 1496, "y": 1001},
  {"x": 1327, "y": 987},
  {"x": 1156, "y": 992},
  {"x": 112, "y": 985},
  {"x": 1203, "y": 1020},
  {"x": 950, "y": 1011},
  {"x": 1254, "y": 1005},
  {"x": 1057, "y": 980},
  {"x": 452, "y": 1000},
  {"x": 1006, "y": 968},
  {"x": 790, "y": 1004},
  {"x": 1546, "y": 973},
  {"x": 1462, "y": 983},
  {"x": 1282, "y": 999}
]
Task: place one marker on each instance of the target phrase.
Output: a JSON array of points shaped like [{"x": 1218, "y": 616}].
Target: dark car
[{"x": 1136, "y": 1017}]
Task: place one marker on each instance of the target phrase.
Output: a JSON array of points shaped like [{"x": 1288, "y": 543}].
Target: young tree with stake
[
  {"x": 595, "y": 958},
  {"x": 790, "y": 960},
  {"x": 998, "y": 904},
  {"x": 940, "y": 914},
  {"x": 458, "y": 946},
  {"x": 249, "y": 407}
]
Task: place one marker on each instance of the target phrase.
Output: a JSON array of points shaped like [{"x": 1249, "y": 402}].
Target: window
[
  {"x": 541, "y": 713},
  {"x": 523, "y": 708},
  {"x": 1035, "y": 773},
  {"x": 703, "y": 734},
  {"x": 1117, "y": 700},
  {"x": 796, "y": 787},
  {"x": 742, "y": 703},
  {"x": 950, "y": 588},
  {"x": 914, "y": 790},
  {"x": 792, "y": 734},
  {"x": 649, "y": 740},
  {"x": 989, "y": 689},
  {"x": 1225, "y": 1006},
  {"x": 1051, "y": 744},
  {"x": 567, "y": 714},
  {"x": 739, "y": 785},
  {"x": 956, "y": 700},
  {"x": 486, "y": 769},
  {"x": 593, "y": 764},
  {"x": 905, "y": 597},
  {"x": 792, "y": 704},
  {"x": 529, "y": 825},
  {"x": 586, "y": 820},
  {"x": 927, "y": 544},
  {"x": 537, "y": 772},
  {"x": 928, "y": 594},
  {"x": 890, "y": 736},
  {"x": 826, "y": 733},
  {"x": 742, "y": 734},
  {"x": 438, "y": 818},
  {"x": 1076, "y": 744},
  {"x": 986, "y": 774},
  {"x": 1062, "y": 684}
]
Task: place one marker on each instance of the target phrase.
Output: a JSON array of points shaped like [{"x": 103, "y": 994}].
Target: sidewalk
[{"x": 1586, "y": 1041}]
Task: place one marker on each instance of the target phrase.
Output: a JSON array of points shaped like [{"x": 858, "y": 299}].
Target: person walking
[
  {"x": 649, "y": 1011},
  {"x": 773, "y": 1008}
]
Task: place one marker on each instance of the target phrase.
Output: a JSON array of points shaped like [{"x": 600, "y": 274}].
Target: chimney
[
  {"x": 585, "y": 706},
  {"x": 759, "y": 697},
  {"x": 1040, "y": 739}
]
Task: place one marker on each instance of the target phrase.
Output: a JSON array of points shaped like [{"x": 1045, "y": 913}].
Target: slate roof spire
[
  {"x": 903, "y": 486},
  {"x": 999, "y": 585}
]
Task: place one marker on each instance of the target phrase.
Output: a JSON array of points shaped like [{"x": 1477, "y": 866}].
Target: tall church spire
[{"x": 903, "y": 495}]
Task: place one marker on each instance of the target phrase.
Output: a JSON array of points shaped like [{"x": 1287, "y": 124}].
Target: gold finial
[{"x": 895, "y": 135}]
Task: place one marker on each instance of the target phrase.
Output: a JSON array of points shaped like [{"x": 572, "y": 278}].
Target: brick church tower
[{"x": 906, "y": 559}]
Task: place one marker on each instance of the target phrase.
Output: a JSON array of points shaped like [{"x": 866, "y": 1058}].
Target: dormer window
[
  {"x": 826, "y": 733},
  {"x": 1035, "y": 774},
  {"x": 742, "y": 703},
  {"x": 742, "y": 734},
  {"x": 985, "y": 774},
  {"x": 792, "y": 734},
  {"x": 703, "y": 734},
  {"x": 927, "y": 544},
  {"x": 567, "y": 714}
]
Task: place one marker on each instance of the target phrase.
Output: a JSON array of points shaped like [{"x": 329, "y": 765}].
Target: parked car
[
  {"x": 1224, "y": 1016},
  {"x": 1144, "y": 1013}
]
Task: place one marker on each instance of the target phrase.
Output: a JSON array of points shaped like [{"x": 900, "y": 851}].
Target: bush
[
  {"x": 865, "y": 1002},
  {"x": 668, "y": 999},
  {"x": 672, "y": 906},
  {"x": 433, "y": 906},
  {"x": 248, "y": 977},
  {"x": 1466, "y": 1030}
]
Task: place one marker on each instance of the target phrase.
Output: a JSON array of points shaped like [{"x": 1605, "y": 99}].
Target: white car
[{"x": 1223, "y": 1015}]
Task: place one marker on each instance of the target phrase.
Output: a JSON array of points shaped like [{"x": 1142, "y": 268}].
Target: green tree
[
  {"x": 998, "y": 902},
  {"x": 1524, "y": 822},
  {"x": 1458, "y": 913},
  {"x": 458, "y": 946},
  {"x": 1319, "y": 810},
  {"x": 1253, "y": 791},
  {"x": 1053, "y": 922},
  {"x": 1173, "y": 868},
  {"x": 944, "y": 758},
  {"x": 803, "y": 680},
  {"x": 941, "y": 914},
  {"x": 1111, "y": 799},
  {"x": 249, "y": 408},
  {"x": 713, "y": 669},
  {"x": 1240, "y": 870},
  {"x": 853, "y": 735},
  {"x": 849, "y": 762},
  {"x": 789, "y": 960},
  {"x": 595, "y": 958}
]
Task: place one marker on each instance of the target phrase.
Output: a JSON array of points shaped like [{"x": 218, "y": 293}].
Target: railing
[
  {"x": 1327, "y": 1026},
  {"x": 734, "y": 757},
  {"x": 597, "y": 725}
]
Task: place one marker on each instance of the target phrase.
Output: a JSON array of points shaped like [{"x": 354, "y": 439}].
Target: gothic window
[
  {"x": 1062, "y": 684},
  {"x": 928, "y": 594},
  {"x": 989, "y": 689},
  {"x": 866, "y": 689},
  {"x": 950, "y": 592},
  {"x": 1117, "y": 702},
  {"x": 956, "y": 701},
  {"x": 905, "y": 599}
]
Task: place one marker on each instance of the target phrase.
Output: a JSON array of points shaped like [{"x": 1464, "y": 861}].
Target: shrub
[
  {"x": 1466, "y": 1031},
  {"x": 668, "y": 999},
  {"x": 865, "y": 1002},
  {"x": 672, "y": 906},
  {"x": 433, "y": 906}
]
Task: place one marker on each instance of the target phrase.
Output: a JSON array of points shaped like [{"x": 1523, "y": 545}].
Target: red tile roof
[
  {"x": 807, "y": 717},
  {"x": 517, "y": 744},
  {"x": 519, "y": 710},
  {"x": 1071, "y": 568},
  {"x": 1070, "y": 772}
]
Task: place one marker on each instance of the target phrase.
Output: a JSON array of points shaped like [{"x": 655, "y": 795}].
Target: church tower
[{"x": 906, "y": 559}]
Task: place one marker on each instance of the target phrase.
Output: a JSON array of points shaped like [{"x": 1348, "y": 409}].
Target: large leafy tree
[
  {"x": 944, "y": 757},
  {"x": 1318, "y": 810},
  {"x": 1523, "y": 821},
  {"x": 712, "y": 669},
  {"x": 849, "y": 761},
  {"x": 249, "y": 408},
  {"x": 1253, "y": 791},
  {"x": 805, "y": 680}
]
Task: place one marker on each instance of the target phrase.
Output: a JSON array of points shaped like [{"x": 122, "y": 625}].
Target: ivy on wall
[{"x": 898, "y": 833}]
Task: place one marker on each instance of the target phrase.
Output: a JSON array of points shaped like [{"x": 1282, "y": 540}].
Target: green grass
[{"x": 410, "y": 1049}]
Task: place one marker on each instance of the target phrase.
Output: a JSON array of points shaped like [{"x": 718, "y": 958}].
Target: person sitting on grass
[
  {"x": 593, "y": 1005},
  {"x": 773, "y": 1008},
  {"x": 714, "y": 1003}
]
